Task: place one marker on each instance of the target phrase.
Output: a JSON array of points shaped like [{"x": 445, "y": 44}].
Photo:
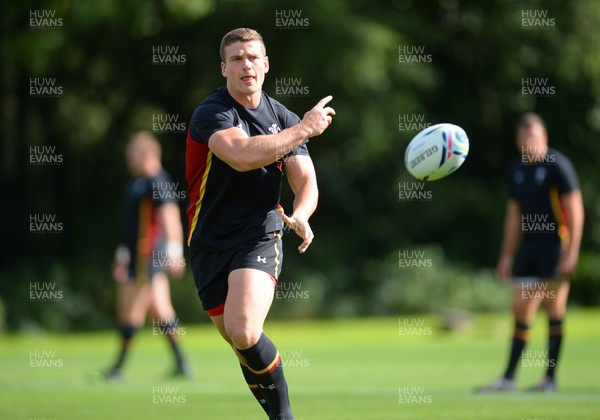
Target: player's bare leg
[
  {"x": 132, "y": 305},
  {"x": 248, "y": 301},
  {"x": 165, "y": 319},
  {"x": 525, "y": 305},
  {"x": 555, "y": 306},
  {"x": 133, "y": 300}
]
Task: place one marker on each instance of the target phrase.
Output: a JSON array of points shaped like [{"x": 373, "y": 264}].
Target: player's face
[
  {"x": 135, "y": 156},
  {"x": 532, "y": 140},
  {"x": 245, "y": 67}
]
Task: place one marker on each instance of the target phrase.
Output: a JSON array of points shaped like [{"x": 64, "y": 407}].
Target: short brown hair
[
  {"x": 529, "y": 119},
  {"x": 147, "y": 141},
  {"x": 240, "y": 35}
]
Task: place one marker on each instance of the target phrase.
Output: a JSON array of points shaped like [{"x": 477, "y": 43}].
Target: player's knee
[
  {"x": 129, "y": 317},
  {"x": 163, "y": 312},
  {"x": 555, "y": 311},
  {"x": 242, "y": 336}
]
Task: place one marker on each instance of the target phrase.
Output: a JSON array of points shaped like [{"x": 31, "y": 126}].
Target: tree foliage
[{"x": 480, "y": 52}]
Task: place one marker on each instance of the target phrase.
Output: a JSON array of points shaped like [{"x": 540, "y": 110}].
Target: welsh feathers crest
[{"x": 274, "y": 129}]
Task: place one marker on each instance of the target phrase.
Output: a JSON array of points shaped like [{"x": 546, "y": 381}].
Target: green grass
[{"x": 347, "y": 369}]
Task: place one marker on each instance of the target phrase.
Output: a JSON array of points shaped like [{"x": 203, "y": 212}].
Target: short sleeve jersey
[
  {"x": 143, "y": 233},
  {"x": 537, "y": 184},
  {"x": 227, "y": 207}
]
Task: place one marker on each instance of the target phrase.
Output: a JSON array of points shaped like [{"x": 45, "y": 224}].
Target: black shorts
[
  {"x": 211, "y": 269},
  {"x": 537, "y": 260},
  {"x": 153, "y": 264}
]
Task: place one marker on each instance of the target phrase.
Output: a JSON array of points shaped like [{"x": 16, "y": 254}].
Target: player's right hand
[
  {"x": 120, "y": 273},
  {"x": 176, "y": 267},
  {"x": 504, "y": 269},
  {"x": 319, "y": 117}
]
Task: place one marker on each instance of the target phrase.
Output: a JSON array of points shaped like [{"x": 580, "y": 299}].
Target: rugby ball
[{"x": 436, "y": 152}]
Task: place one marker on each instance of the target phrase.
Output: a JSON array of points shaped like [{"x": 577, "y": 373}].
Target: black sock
[
  {"x": 518, "y": 344},
  {"x": 255, "y": 389},
  {"x": 554, "y": 342},
  {"x": 127, "y": 333},
  {"x": 264, "y": 363},
  {"x": 170, "y": 330}
]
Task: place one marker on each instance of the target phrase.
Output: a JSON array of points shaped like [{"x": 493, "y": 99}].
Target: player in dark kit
[
  {"x": 240, "y": 144},
  {"x": 545, "y": 214},
  {"x": 153, "y": 246}
]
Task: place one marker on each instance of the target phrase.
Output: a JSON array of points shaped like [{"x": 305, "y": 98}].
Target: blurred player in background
[
  {"x": 543, "y": 226},
  {"x": 239, "y": 145},
  {"x": 153, "y": 246}
]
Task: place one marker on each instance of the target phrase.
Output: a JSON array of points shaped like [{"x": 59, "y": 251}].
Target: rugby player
[
  {"x": 153, "y": 247},
  {"x": 543, "y": 227},
  {"x": 240, "y": 143}
]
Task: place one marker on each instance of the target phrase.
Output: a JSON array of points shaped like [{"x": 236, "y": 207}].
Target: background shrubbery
[{"x": 479, "y": 55}]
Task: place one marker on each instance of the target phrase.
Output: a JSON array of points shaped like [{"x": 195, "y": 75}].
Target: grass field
[{"x": 347, "y": 369}]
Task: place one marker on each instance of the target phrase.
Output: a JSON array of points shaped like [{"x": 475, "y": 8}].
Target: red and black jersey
[
  {"x": 228, "y": 207},
  {"x": 537, "y": 183},
  {"x": 143, "y": 233}
]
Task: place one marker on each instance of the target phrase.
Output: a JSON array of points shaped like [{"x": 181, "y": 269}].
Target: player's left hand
[
  {"x": 302, "y": 229},
  {"x": 567, "y": 265}
]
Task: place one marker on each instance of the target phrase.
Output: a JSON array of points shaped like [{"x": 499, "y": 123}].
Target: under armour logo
[
  {"x": 261, "y": 259},
  {"x": 270, "y": 387}
]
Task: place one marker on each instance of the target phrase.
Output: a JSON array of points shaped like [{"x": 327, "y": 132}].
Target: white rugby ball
[{"x": 436, "y": 152}]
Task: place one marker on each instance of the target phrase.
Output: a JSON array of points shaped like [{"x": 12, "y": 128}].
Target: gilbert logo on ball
[{"x": 436, "y": 152}]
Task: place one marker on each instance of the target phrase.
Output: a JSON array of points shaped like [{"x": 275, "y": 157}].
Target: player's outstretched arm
[
  {"x": 512, "y": 234},
  {"x": 244, "y": 153},
  {"x": 303, "y": 181}
]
